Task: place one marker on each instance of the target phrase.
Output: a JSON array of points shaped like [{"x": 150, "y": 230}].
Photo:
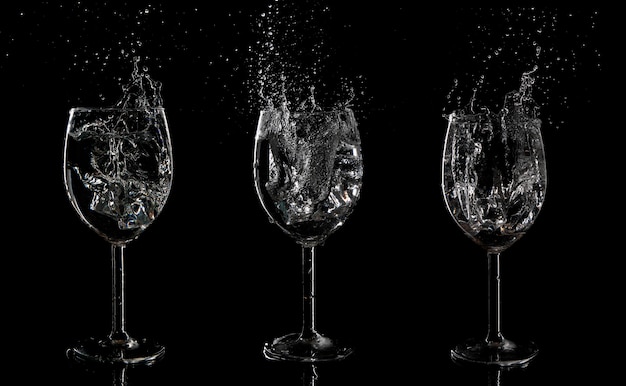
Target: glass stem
[
  {"x": 308, "y": 293},
  {"x": 494, "y": 334},
  {"x": 118, "y": 316}
]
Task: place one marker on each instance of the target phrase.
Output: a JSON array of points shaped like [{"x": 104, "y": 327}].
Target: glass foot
[
  {"x": 104, "y": 351},
  {"x": 293, "y": 347},
  {"x": 502, "y": 354}
]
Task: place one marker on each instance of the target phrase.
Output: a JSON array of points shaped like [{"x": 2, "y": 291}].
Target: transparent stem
[
  {"x": 494, "y": 334},
  {"x": 308, "y": 293},
  {"x": 118, "y": 316}
]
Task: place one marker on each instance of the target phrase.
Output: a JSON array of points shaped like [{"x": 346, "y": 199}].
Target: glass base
[
  {"x": 501, "y": 354},
  {"x": 293, "y": 347},
  {"x": 104, "y": 351}
]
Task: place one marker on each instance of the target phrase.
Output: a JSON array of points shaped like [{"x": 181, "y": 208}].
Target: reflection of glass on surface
[
  {"x": 310, "y": 375},
  {"x": 494, "y": 377},
  {"x": 307, "y": 172},
  {"x": 114, "y": 374},
  {"x": 120, "y": 376}
]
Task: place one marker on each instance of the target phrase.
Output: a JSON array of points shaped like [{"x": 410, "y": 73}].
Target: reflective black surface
[{"x": 213, "y": 280}]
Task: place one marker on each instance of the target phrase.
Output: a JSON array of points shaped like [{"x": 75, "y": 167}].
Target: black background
[{"x": 213, "y": 280}]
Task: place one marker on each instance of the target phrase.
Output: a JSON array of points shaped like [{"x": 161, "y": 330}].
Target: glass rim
[
  {"x": 470, "y": 116},
  {"x": 314, "y": 112},
  {"x": 113, "y": 108}
]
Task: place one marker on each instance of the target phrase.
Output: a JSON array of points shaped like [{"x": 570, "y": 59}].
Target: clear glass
[
  {"x": 117, "y": 165},
  {"x": 308, "y": 172},
  {"x": 494, "y": 182}
]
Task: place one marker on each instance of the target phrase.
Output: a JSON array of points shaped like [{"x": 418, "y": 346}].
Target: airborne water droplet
[{"x": 141, "y": 91}]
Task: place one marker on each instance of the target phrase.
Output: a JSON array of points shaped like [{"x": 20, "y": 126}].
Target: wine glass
[
  {"x": 118, "y": 175},
  {"x": 494, "y": 182},
  {"x": 307, "y": 172}
]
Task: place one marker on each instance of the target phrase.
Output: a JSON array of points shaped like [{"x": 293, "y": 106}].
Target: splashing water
[
  {"x": 290, "y": 61},
  {"x": 120, "y": 159},
  {"x": 142, "y": 91},
  {"x": 308, "y": 170},
  {"x": 129, "y": 171},
  {"x": 494, "y": 174},
  {"x": 522, "y": 98},
  {"x": 556, "y": 44}
]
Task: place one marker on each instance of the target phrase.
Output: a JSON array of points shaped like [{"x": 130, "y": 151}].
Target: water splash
[
  {"x": 292, "y": 64},
  {"x": 557, "y": 45},
  {"x": 129, "y": 172},
  {"x": 308, "y": 170},
  {"x": 494, "y": 174},
  {"x": 89, "y": 44},
  {"x": 141, "y": 91}
]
